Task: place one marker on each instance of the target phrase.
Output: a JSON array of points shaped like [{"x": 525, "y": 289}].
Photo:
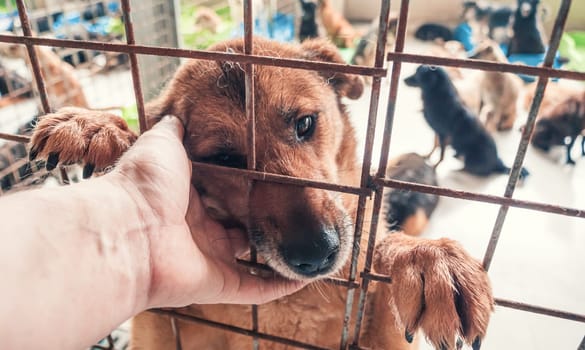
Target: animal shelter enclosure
[{"x": 153, "y": 60}]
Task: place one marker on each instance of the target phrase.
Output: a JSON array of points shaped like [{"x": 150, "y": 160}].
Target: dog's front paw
[
  {"x": 437, "y": 287},
  {"x": 74, "y": 135}
]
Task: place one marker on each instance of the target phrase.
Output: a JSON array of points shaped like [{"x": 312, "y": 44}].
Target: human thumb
[{"x": 172, "y": 124}]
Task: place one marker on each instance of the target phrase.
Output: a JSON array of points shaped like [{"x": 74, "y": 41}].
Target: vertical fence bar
[
  {"x": 251, "y": 128},
  {"x": 32, "y": 54},
  {"x": 366, "y": 165},
  {"x": 379, "y": 191},
  {"x": 130, "y": 40},
  {"x": 37, "y": 72},
  {"x": 558, "y": 29},
  {"x": 176, "y": 333}
]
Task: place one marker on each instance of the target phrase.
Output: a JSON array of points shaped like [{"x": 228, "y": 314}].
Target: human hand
[{"x": 191, "y": 257}]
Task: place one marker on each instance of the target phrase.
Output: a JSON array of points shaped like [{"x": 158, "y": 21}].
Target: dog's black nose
[{"x": 310, "y": 258}]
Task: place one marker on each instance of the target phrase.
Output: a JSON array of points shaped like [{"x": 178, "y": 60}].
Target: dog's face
[
  {"x": 301, "y": 130},
  {"x": 426, "y": 77},
  {"x": 527, "y": 8},
  {"x": 309, "y": 7}
]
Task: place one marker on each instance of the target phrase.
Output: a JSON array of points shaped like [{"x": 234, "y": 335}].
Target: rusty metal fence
[{"x": 371, "y": 185}]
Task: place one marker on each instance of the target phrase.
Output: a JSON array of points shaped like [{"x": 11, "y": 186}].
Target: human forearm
[{"x": 52, "y": 302}]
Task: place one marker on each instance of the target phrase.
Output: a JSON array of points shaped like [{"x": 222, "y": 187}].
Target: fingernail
[
  {"x": 88, "y": 170},
  {"x": 33, "y": 154},
  {"x": 476, "y": 344},
  {"x": 52, "y": 161},
  {"x": 409, "y": 336}
]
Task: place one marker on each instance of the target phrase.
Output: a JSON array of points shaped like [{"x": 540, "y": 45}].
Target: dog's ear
[{"x": 348, "y": 85}]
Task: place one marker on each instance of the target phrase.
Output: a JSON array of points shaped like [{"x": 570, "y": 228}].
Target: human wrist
[{"x": 133, "y": 223}]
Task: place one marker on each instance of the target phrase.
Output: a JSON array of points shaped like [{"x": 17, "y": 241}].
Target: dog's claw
[
  {"x": 476, "y": 344},
  {"x": 32, "y": 155},
  {"x": 88, "y": 170},
  {"x": 408, "y": 336},
  {"x": 52, "y": 161}
]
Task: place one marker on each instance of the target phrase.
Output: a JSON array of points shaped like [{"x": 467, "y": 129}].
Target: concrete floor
[{"x": 540, "y": 258}]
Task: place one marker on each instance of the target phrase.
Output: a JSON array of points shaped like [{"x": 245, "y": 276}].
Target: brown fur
[
  {"x": 499, "y": 91},
  {"x": 338, "y": 28},
  {"x": 554, "y": 94},
  {"x": 63, "y": 87},
  {"x": 209, "y": 98}
]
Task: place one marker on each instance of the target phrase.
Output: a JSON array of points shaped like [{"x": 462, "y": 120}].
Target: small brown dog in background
[
  {"x": 338, "y": 28},
  {"x": 560, "y": 125},
  {"x": 554, "y": 94},
  {"x": 61, "y": 82},
  {"x": 499, "y": 90}
]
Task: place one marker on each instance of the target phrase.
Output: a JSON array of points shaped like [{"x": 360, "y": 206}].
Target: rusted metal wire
[
  {"x": 32, "y": 54},
  {"x": 482, "y": 198},
  {"x": 540, "y": 310},
  {"x": 239, "y": 330},
  {"x": 129, "y": 26},
  {"x": 527, "y": 132},
  {"x": 251, "y": 129},
  {"x": 393, "y": 93},
  {"x": 14, "y": 137},
  {"x": 546, "y": 72},
  {"x": 366, "y": 164},
  {"x": 332, "y": 280},
  {"x": 198, "y": 54},
  {"x": 176, "y": 333}
]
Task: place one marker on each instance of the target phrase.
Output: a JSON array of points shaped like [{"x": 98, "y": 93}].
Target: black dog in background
[
  {"x": 455, "y": 124},
  {"x": 527, "y": 37},
  {"x": 308, "y": 28},
  {"x": 433, "y": 31},
  {"x": 409, "y": 211}
]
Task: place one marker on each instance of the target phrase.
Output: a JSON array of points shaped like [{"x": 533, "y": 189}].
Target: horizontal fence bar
[
  {"x": 197, "y": 54},
  {"x": 376, "y": 277},
  {"x": 540, "y": 310},
  {"x": 14, "y": 137},
  {"x": 332, "y": 280},
  {"x": 234, "y": 329},
  {"x": 486, "y": 65},
  {"x": 484, "y": 198},
  {"x": 283, "y": 179}
]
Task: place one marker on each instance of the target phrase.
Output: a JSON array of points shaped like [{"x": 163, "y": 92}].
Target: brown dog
[
  {"x": 302, "y": 130},
  {"x": 565, "y": 120},
  {"x": 338, "y": 28},
  {"x": 499, "y": 91},
  {"x": 63, "y": 86}
]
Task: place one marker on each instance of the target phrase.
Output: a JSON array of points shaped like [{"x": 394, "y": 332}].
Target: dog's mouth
[{"x": 307, "y": 258}]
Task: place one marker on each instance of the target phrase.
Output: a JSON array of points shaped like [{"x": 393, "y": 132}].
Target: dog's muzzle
[{"x": 312, "y": 257}]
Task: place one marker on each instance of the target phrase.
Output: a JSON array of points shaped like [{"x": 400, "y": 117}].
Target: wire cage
[{"x": 372, "y": 184}]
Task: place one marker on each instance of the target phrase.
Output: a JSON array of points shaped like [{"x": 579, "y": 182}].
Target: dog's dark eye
[
  {"x": 305, "y": 126},
  {"x": 232, "y": 160}
]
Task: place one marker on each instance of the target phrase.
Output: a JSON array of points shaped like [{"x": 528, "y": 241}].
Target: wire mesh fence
[{"x": 372, "y": 185}]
